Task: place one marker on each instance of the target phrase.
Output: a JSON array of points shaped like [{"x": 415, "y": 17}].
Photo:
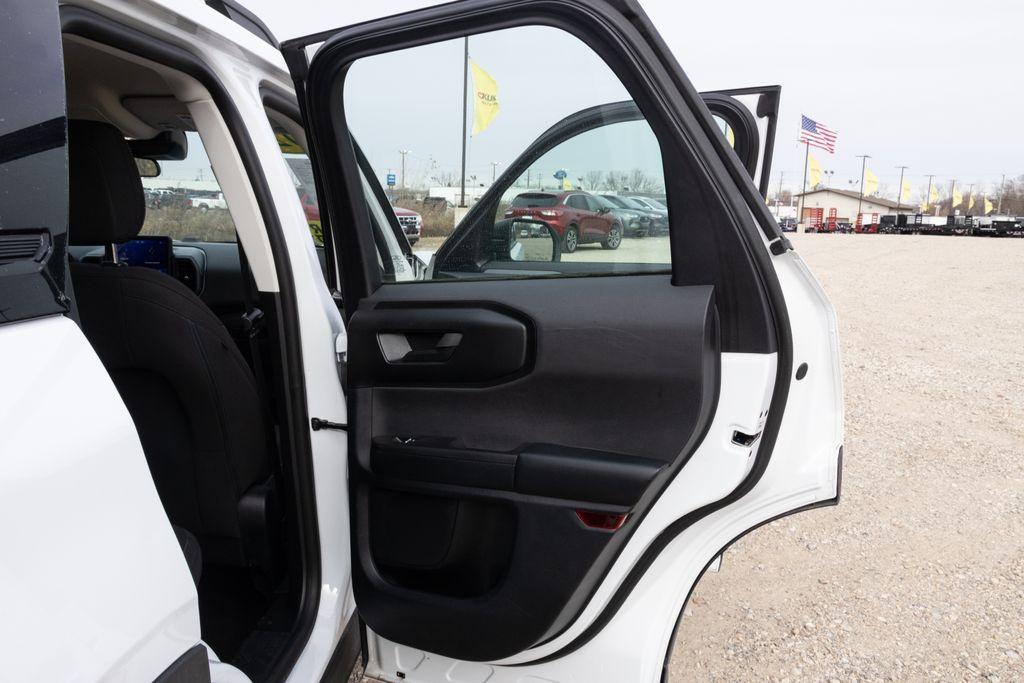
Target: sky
[{"x": 935, "y": 86}]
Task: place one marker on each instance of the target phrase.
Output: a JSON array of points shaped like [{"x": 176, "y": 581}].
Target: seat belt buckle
[{"x": 252, "y": 322}]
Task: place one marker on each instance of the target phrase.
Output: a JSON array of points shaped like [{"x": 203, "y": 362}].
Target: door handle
[{"x": 418, "y": 347}]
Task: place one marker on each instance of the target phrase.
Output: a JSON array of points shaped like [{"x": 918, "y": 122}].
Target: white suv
[{"x": 258, "y": 443}]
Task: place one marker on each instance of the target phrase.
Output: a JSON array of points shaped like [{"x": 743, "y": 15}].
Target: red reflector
[{"x": 601, "y": 520}]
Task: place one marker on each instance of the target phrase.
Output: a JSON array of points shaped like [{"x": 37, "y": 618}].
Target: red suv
[{"x": 577, "y": 217}]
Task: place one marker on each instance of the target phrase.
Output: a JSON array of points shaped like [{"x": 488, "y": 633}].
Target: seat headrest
[{"x": 106, "y": 202}]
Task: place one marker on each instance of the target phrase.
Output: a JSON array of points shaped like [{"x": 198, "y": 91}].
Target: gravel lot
[{"x": 919, "y": 573}]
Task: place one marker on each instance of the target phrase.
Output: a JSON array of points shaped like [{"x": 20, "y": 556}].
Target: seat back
[{"x": 193, "y": 398}]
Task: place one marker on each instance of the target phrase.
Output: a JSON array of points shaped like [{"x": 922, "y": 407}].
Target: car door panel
[
  {"x": 464, "y": 481},
  {"x": 507, "y": 517}
]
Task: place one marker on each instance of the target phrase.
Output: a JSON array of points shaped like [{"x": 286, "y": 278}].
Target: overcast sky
[{"x": 934, "y": 85}]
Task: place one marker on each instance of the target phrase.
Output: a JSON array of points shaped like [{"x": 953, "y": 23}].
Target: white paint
[
  {"x": 93, "y": 583},
  {"x": 128, "y": 607}
]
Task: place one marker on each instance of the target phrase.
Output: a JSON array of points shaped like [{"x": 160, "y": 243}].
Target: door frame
[{"x": 671, "y": 105}]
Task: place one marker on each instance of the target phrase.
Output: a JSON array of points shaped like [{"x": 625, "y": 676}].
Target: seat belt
[{"x": 253, "y": 322}]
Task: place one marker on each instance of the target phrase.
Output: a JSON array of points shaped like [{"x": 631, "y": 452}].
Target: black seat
[{"x": 192, "y": 396}]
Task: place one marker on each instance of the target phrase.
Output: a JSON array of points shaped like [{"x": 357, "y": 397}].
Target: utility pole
[
  {"x": 403, "y": 152},
  {"x": 465, "y": 96},
  {"x": 778, "y": 195},
  {"x": 928, "y": 192},
  {"x": 1002, "y": 186},
  {"x": 494, "y": 169},
  {"x": 863, "y": 166},
  {"x": 899, "y": 192}
]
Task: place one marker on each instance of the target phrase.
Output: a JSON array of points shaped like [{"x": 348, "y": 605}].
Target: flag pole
[
  {"x": 465, "y": 96},
  {"x": 899, "y": 192},
  {"x": 863, "y": 165},
  {"x": 803, "y": 189}
]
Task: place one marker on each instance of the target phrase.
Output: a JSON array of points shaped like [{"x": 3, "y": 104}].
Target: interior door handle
[{"x": 418, "y": 347}]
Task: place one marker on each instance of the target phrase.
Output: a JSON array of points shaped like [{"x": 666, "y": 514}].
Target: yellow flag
[
  {"x": 933, "y": 196},
  {"x": 905, "y": 190},
  {"x": 566, "y": 183},
  {"x": 870, "y": 182},
  {"x": 813, "y": 171},
  {"x": 730, "y": 136},
  {"x": 958, "y": 197},
  {"x": 970, "y": 202},
  {"x": 485, "y": 99},
  {"x": 924, "y": 207},
  {"x": 988, "y": 206}
]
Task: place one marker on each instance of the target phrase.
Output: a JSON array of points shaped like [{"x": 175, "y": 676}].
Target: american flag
[{"x": 817, "y": 135}]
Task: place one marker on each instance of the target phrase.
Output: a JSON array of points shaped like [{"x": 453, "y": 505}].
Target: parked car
[
  {"x": 411, "y": 222},
  {"x": 787, "y": 224},
  {"x": 635, "y": 222},
  {"x": 576, "y": 217},
  {"x": 267, "y": 457},
  {"x": 651, "y": 221},
  {"x": 204, "y": 203}
]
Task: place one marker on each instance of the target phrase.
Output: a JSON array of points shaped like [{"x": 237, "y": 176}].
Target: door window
[{"x": 542, "y": 140}]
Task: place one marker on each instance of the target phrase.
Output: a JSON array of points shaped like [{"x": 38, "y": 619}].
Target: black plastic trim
[
  {"x": 193, "y": 666},
  {"x": 346, "y": 654},
  {"x": 92, "y": 26},
  {"x": 244, "y": 18}
]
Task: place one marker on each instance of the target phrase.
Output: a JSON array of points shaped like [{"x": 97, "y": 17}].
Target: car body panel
[{"x": 94, "y": 583}]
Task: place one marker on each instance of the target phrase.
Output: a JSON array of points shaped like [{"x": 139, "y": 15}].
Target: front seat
[{"x": 192, "y": 396}]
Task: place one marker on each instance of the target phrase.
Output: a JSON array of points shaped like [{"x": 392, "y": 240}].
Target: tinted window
[
  {"x": 33, "y": 162},
  {"x": 538, "y": 200}
]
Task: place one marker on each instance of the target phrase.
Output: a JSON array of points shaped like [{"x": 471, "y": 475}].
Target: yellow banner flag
[
  {"x": 933, "y": 196},
  {"x": 905, "y": 190},
  {"x": 870, "y": 182},
  {"x": 566, "y": 183},
  {"x": 988, "y": 206},
  {"x": 958, "y": 197},
  {"x": 813, "y": 171},
  {"x": 923, "y": 208},
  {"x": 970, "y": 202},
  {"x": 485, "y": 99}
]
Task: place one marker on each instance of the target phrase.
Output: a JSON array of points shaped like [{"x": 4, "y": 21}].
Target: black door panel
[{"x": 472, "y": 490}]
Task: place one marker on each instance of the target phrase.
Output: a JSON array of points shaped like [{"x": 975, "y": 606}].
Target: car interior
[{"x": 178, "y": 327}]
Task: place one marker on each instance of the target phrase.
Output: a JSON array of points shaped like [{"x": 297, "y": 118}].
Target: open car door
[{"x": 560, "y": 424}]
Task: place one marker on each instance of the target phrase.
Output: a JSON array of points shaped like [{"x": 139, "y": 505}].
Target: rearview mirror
[
  {"x": 524, "y": 240},
  {"x": 148, "y": 168}
]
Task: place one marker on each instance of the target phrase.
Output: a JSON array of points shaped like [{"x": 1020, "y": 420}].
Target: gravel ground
[{"x": 919, "y": 573}]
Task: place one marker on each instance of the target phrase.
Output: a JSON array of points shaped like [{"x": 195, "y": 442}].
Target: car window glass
[
  {"x": 185, "y": 201},
  {"x": 534, "y": 201},
  {"x": 302, "y": 176}
]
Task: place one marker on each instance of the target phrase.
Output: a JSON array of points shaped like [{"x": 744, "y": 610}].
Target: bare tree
[
  {"x": 640, "y": 181},
  {"x": 615, "y": 181},
  {"x": 592, "y": 180},
  {"x": 446, "y": 178}
]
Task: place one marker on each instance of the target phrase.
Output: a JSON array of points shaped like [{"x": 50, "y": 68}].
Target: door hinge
[{"x": 318, "y": 423}]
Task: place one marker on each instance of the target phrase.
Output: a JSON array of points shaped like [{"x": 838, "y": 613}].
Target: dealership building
[{"x": 817, "y": 206}]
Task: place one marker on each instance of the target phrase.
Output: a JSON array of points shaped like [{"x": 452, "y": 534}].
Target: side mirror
[
  {"x": 524, "y": 240},
  {"x": 603, "y": 210}
]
